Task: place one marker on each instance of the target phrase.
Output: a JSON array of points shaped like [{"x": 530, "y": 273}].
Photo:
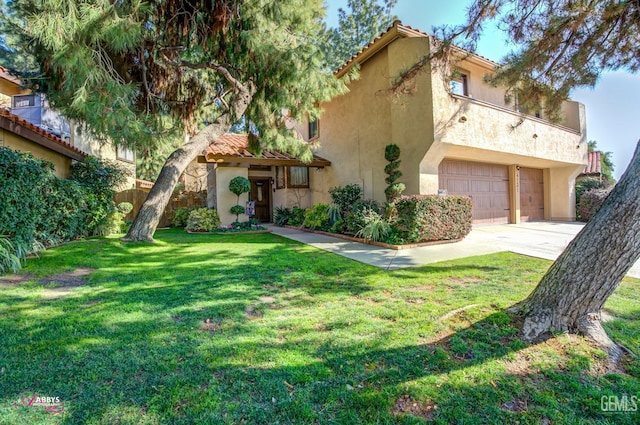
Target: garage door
[
  {"x": 487, "y": 184},
  {"x": 531, "y": 194}
]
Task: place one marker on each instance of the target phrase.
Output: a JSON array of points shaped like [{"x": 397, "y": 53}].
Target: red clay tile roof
[
  {"x": 594, "y": 165},
  {"x": 232, "y": 147},
  {"x": 15, "y": 124}
]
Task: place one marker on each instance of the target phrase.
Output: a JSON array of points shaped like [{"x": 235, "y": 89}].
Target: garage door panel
[{"x": 487, "y": 184}]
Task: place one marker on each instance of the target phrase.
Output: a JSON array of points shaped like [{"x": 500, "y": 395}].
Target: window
[
  {"x": 314, "y": 130},
  {"x": 24, "y": 101},
  {"x": 280, "y": 179},
  {"x": 125, "y": 154},
  {"x": 460, "y": 85},
  {"x": 298, "y": 177}
]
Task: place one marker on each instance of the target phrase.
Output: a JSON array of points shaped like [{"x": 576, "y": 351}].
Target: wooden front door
[{"x": 261, "y": 195}]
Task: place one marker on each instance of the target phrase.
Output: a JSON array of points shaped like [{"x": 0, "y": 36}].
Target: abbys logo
[
  {"x": 49, "y": 404},
  {"x": 613, "y": 403}
]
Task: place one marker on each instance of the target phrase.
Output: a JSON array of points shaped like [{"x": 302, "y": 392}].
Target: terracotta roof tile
[
  {"x": 236, "y": 146},
  {"x": 594, "y": 164},
  {"x": 34, "y": 128}
]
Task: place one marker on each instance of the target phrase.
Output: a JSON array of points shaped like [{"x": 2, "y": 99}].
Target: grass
[{"x": 256, "y": 329}]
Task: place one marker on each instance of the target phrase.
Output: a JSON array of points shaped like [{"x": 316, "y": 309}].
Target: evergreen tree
[
  {"x": 362, "y": 22},
  {"x": 135, "y": 71},
  {"x": 561, "y": 45}
]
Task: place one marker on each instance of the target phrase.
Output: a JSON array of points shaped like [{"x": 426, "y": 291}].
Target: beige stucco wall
[
  {"x": 474, "y": 130},
  {"x": 354, "y": 129},
  {"x": 61, "y": 163},
  {"x": 226, "y": 199}
]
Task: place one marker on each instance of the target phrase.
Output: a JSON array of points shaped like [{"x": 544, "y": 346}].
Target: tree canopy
[
  {"x": 138, "y": 71},
  {"x": 359, "y": 24}
]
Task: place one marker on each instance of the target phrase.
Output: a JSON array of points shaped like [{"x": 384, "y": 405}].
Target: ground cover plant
[{"x": 257, "y": 329}]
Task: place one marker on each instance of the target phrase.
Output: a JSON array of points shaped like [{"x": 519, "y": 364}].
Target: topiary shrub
[
  {"x": 238, "y": 186},
  {"x": 423, "y": 218},
  {"x": 202, "y": 220},
  {"x": 355, "y": 219},
  {"x": 392, "y": 169},
  {"x": 585, "y": 185},
  {"x": 317, "y": 218},
  {"x": 590, "y": 203}
]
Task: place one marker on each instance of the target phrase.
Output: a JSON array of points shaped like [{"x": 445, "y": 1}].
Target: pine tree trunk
[
  {"x": 574, "y": 289},
  {"x": 146, "y": 222}
]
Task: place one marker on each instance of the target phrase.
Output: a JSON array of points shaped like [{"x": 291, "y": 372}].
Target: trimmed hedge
[
  {"x": 39, "y": 209},
  {"x": 425, "y": 218},
  {"x": 590, "y": 203}
]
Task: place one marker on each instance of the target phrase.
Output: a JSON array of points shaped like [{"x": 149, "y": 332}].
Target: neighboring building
[
  {"x": 457, "y": 137},
  {"x": 593, "y": 168},
  {"x": 19, "y": 134},
  {"x": 31, "y": 111}
]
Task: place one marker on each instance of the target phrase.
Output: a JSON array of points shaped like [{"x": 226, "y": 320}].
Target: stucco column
[
  {"x": 514, "y": 194},
  {"x": 560, "y": 186}
]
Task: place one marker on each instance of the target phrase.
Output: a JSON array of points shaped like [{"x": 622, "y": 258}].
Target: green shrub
[
  {"x": 202, "y": 220},
  {"x": 179, "y": 216},
  {"x": 125, "y": 208},
  {"x": 297, "y": 217},
  {"x": 583, "y": 186},
  {"x": 422, "y": 218},
  {"x": 590, "y": 203},
  {"x": 375, "y": 227},
  {"x": 337, "y": 227},
  {"x": 345, "y": 197},
  {"x": 317, "y": 218},
  {"x": 355, "y": 219},
  {"x": 282, "y": 215},
  {"x": 40, "y": 209}
]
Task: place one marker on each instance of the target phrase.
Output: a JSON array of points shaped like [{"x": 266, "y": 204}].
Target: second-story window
[
  {"x": 460, "y": 84},
  {"x": 314, "y": 129}
]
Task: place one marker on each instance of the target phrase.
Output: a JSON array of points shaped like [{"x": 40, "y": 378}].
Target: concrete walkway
[{"x": 539, "y": 239}]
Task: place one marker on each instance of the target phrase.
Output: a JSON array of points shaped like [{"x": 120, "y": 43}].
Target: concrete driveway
[{"x": 538, "y": 239}]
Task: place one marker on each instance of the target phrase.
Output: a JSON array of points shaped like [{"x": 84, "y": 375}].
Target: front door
[{"x": 261, "y": 195}]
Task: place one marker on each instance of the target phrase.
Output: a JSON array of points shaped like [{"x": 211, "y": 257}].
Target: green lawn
[{"x": 257, "y": 329}]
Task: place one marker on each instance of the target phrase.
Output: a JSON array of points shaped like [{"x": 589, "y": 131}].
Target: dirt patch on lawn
[
  {"x": 15, "y": 279},
  {"x": 55, "y": 286},
  {"x": 405, "y": 405}
]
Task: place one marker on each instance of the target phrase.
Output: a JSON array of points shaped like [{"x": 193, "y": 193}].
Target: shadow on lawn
[{"x": 152, "y": 339}]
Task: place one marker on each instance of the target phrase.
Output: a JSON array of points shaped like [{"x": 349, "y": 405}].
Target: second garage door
[
  {"x": 531, "y": 194},
  {"x": 487, "y": 184}
]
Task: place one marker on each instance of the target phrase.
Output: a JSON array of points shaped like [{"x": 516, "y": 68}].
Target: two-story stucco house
[{"x": 458, "y": 137}]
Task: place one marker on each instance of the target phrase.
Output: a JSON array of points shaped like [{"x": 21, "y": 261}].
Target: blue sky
[{"x": 612, "y": 107}]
